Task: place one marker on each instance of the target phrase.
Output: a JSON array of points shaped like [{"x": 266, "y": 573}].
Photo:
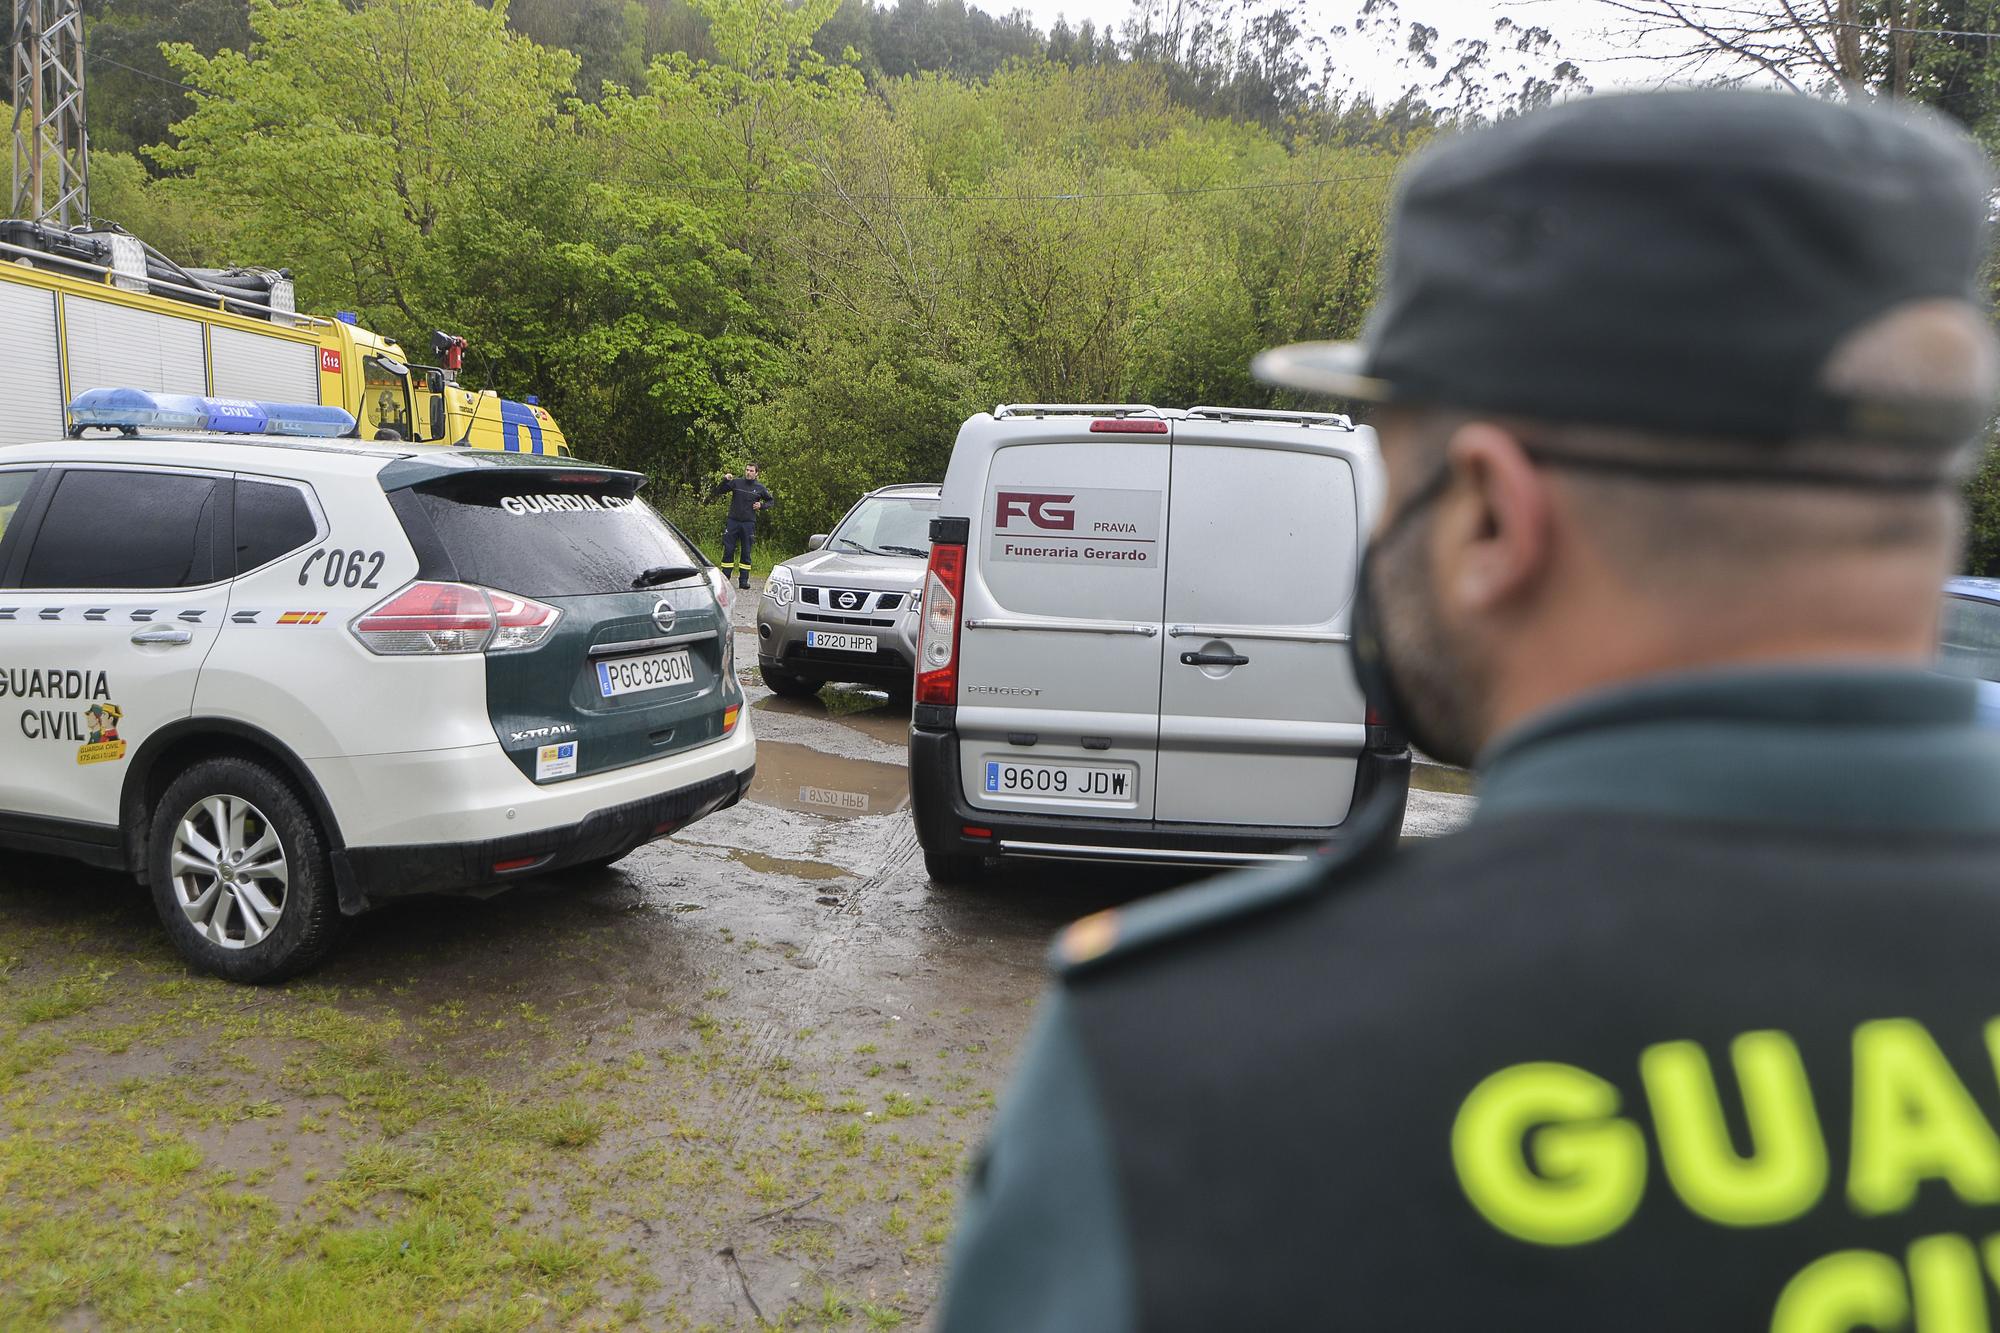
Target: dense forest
[{"x": 817, "y": 234}]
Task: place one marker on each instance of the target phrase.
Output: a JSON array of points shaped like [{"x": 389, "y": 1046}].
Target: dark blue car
[{"x": 1969, "y": 638}]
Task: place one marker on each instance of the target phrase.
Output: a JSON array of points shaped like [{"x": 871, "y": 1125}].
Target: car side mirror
[{"x": 817, "y": 540}]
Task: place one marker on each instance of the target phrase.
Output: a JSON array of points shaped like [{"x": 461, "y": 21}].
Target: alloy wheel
[{"x": 229, "y": 871}]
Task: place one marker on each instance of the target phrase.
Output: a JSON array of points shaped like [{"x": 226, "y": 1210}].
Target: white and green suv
[{"x": 282, "y": 679}]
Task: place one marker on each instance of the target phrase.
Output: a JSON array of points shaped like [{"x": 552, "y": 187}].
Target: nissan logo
[
  {"x": 663, "y": 615},
  {"x": 847, "y": 601}
]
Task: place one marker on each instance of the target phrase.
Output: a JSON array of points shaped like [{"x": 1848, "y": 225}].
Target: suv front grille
[
  {"x": 846, "y": 620},
  {"x": 851, "y": 600}
]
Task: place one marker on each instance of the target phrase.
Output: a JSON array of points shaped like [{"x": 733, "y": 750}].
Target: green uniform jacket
[{"x": 1695, "y": 1027}]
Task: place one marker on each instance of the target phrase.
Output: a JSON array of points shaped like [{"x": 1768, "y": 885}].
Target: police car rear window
[{"x": 540, "y": 534}]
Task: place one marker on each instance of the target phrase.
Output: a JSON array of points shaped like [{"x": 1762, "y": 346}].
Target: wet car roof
[{"x": 1985, "y": 590}]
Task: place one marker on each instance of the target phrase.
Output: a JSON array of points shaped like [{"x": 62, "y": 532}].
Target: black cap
[{"x": 1679, "y": 261}]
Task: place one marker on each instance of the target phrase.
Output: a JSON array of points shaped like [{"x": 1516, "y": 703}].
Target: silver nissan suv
[{"x": 846, "y": 610}]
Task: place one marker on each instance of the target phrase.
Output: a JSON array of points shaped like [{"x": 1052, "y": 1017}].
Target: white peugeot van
[{"x": 1134, "y": 641}]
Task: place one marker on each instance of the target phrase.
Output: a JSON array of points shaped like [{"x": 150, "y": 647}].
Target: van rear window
[{"x": 539, "y": 534}]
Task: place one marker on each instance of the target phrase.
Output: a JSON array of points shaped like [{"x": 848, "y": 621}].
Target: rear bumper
[
  {"x": 942, "y": 814},
  {"x": 381, "y": 873},
  {"x": 437, "y": 821}
]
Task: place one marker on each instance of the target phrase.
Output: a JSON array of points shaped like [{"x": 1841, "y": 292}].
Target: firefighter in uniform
[
  {"x": 1696, "y": 1025},
  {"x": 747, "y": 498}
]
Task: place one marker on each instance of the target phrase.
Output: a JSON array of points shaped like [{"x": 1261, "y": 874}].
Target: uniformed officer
[
  {"x": 747, "y": 499},
  {"x": 1696, "y": 1026}
]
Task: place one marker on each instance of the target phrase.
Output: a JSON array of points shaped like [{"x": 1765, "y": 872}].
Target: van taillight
[
  {"x": 1128, "y": 426},
  {"x": 1380, "y": 738},
  {"x": 432, "y": 618},
  {"x": 937, "y": 652}
]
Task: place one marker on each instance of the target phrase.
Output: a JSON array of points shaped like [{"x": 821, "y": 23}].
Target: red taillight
[
  {"x": 937, "y": 653},
  {"x": 725, "y": 592},
  {"x": 1379, "y": 736},
  {"x": 518, "y": 622},
  {"x": 974, "y": 831},
  {"x": 1128, "y": 426},
  {"x": 430, "y": 618},
  {"x": 729, "y": 716},
  {"x": 518, "y": 863}
]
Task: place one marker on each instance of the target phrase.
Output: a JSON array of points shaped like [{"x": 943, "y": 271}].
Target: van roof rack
[
  {"x": 1006, "y": 410},
  {"x": 1337, "y": 420}
]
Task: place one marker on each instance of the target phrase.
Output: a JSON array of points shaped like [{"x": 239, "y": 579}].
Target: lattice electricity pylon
[{"x": 51, "y": 145}]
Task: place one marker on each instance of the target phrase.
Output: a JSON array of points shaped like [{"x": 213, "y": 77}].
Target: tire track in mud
[{"x": 812, "y": 983}]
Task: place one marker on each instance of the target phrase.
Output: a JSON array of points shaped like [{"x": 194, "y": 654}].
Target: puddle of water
[
  {"x": 794, "y": 777},
  {"x": 1436, "y": 777},
  {"x": 866, "y": 711},
  {"x": 778, "y": 865}
]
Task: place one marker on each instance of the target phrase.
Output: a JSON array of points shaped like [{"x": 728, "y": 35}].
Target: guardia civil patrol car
[{"x": 281, "y": 677}]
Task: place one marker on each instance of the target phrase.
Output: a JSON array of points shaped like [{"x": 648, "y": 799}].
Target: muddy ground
[{"x": 736, "y": 1078}]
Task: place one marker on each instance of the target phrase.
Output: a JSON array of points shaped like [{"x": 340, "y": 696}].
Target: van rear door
[
  {"x": 1261, "y": 721},
  {"x": 1059, "y": 649}
]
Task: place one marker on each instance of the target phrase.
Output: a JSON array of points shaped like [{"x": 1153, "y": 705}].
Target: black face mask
[{"x": 1373, "y": 670}]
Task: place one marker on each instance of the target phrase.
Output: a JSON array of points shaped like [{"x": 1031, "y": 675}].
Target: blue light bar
[{"x": 136, "y": 409}]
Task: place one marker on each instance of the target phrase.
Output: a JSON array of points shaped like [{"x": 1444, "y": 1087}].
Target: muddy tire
[
  {"x": 954, "y": 867},
  {"x": 785, "y": 685},
  {"x": 240, "y": 873}
]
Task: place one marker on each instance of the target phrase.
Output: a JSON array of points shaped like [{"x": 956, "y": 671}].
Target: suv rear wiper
[{"x": 659, "y": 574}]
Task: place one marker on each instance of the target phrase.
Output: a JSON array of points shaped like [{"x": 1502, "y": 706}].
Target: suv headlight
[{"x": 778, "y": 588}]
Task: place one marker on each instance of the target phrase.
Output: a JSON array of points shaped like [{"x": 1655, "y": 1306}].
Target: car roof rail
[
  {"x": 1337, "y": 420},
  {"x": 1006, "y": 410}
]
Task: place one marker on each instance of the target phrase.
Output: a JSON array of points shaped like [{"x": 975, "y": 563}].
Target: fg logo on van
[{"x": 1035, "y": 507}]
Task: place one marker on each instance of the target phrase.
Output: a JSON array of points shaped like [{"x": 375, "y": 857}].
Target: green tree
[
  {"x": 132, "y": 92},
  {"x": 347, "y": 137}
]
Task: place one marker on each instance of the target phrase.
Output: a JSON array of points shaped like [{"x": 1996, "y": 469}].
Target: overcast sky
[{"x": 1589, "y": 31}]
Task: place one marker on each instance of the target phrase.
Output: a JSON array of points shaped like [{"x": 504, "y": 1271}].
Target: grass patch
[
  {"x": 569, "y": 1123},
  {"x": 177, "y": 1152},
  {"x": 62, "y": 999},
  {"x": 170, "y": 1161}
]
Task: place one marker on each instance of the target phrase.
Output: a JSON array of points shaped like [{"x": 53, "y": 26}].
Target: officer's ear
[{"x": 1494, "y": 525}]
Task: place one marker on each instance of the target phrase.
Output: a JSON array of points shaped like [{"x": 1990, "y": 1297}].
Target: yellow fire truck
[{"x": 90, "y": 310}]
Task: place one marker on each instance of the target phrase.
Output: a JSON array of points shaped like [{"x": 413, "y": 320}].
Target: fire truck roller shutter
[
  {"x": 31, "y": 394},
  {"x": 262, "y": 368},
  {"x": 113, "y": 346}
]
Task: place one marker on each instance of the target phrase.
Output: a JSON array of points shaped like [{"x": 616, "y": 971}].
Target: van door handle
[
  {"x": 1214, "y": 659},
  {"x": 162, "y": 634}
]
